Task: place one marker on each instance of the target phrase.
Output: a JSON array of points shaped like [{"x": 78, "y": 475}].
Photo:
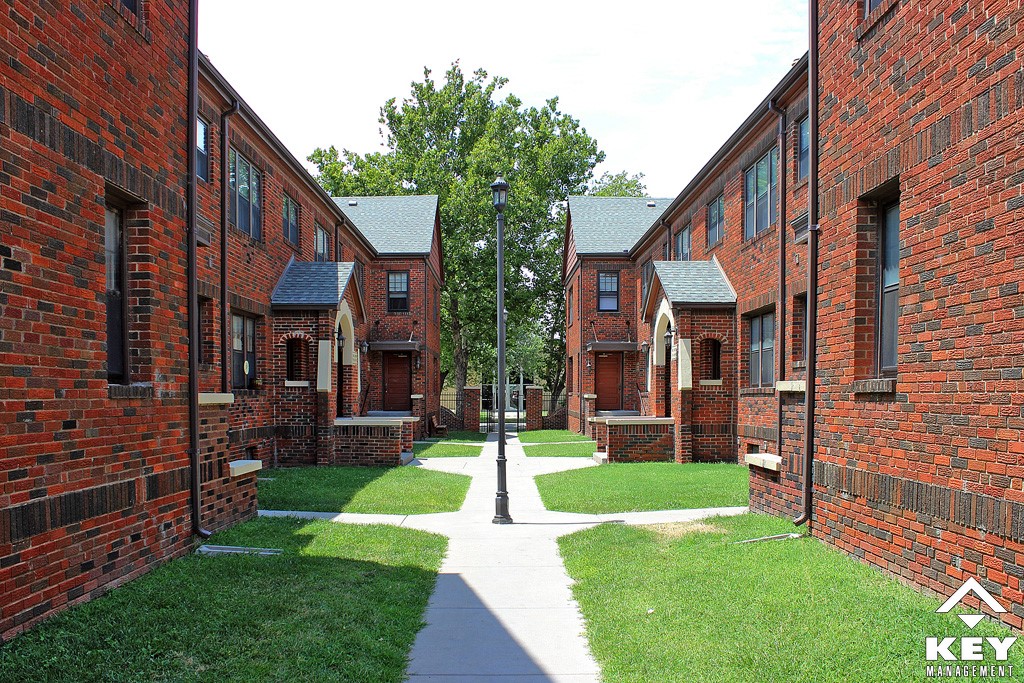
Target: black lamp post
[{"x": 499, "y": 194}]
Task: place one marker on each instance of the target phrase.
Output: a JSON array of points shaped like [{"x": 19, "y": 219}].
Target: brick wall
[
  {"x": 534, "y": 408},
  {"x": 93, "y": 478},
  {"x": 366, "y": 446},
  {"x": 640, "y": 442},
  {"x": 922, "y": 478},
  {"x": 471, "y": 402},
  {"x": 226, "y": 500}
]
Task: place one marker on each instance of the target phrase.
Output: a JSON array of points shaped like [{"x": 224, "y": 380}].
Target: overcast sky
[{"x": 659, "y": 85}]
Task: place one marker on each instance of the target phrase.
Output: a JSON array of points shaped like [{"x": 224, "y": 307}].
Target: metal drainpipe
[
  {"x": 781, "y": 324},
  {"x": 193, "y": 288},
  {"x": 225, "y": 323},
  {"x": 812, "y": 267}
]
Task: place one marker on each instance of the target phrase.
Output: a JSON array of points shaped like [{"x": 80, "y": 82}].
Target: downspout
[
  {"x": 781, "y": 306},
  {"x": 812, "y": 266},
  {"x": 225, "y": 323},
  {"x": 193, "y": 288}
]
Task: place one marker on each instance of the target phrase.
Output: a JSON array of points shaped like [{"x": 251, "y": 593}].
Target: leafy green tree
[
  {"x": 452, "y": 139},
  {"x": 619, "y": 185}
]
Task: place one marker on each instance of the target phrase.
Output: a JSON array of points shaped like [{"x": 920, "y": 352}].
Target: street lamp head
[{"x": 499, "y": 194}]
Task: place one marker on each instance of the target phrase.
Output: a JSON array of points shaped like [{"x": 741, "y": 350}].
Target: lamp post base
[{"x": 501, "y": 515}]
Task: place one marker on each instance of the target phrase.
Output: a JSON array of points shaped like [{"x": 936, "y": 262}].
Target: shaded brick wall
[
  {"x": 932, "y": 105},
  {"x": 639, "y": 443},
  {"x": 226, "y": 500},
  {"x": 366, "y": 446},
  {"x": 93, "y": 478},
  {"x": 534, "y": 408}
]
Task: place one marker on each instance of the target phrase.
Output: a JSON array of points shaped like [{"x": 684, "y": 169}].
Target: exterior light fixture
[{"x": 499, "y": 194}]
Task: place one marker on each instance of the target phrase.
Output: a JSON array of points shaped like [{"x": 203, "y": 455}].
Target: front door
[
  {"x": 609, "y": 381},
  {"x": 397, "y": 381}
]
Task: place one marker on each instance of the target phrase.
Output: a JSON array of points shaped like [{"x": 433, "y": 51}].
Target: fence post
[
  {"x": 534, "y": 408},
  {"x": 471, "y": 409}
]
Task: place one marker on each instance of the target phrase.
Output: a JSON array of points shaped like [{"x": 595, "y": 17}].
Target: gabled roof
[
  {"x": 313, "y": 285},
  {"x": 394, "y": 225},
  {"x": 612, "y": 225},
  {"x": 694, "y": 283}
]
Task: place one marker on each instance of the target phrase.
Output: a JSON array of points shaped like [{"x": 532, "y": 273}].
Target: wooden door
[
  {"x": 397, "y": 381},
  {"x": 608, "y": 382}
]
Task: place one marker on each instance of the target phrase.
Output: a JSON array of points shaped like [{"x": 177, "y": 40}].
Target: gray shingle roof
[
  {"x": 393, "y": 225},
  {"x": 694, "y": 282},
  {"x": 606, "y": 225},
  {"x": 312, "y": 285}
]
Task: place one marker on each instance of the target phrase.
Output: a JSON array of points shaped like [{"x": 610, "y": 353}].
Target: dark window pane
[
  {"x": 202, "y": 151},
  {"x": 755, "y": 368},
  {"x": 131, "y": 5},
  {"x": 233, "y": 180},
  {"x": 890, "y": 320},
  {"x": 891, "y": 247},
  {"x": 804, "y": 157},
  {"x": 113, "y": 249},
  {"x": 257, "y": 225},
  {"x": 750, "y": 204}
]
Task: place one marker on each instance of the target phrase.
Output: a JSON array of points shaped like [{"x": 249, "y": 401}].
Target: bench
[{"x": 437, "y": 428}]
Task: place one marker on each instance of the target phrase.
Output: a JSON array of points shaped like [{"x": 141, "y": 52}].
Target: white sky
[{"x": 659, "y": 85}]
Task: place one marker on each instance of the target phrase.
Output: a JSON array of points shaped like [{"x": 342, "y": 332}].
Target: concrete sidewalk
[{"x": 503, "y": 609}]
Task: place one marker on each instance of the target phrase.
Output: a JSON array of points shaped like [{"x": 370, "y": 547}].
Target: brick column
[
  {"x": 408, "y": 429},
  {"x": 419, "y": 409},
  {"x": 471, "y": 409},
  {"x": 589, "y": 404},
  {"x": 534, "y": 408}
]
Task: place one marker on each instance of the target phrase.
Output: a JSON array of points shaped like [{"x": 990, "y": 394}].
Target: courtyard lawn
[
  {"x": 684, "y": 602},
  {"x": 461, "y": 435},
  {"x": 554, "y": 450},
  {"x": 550, "y": 436},
  {"x": 446, "y": 449},
  {"x": 632, "y": 487},
  {"x": 342, "y": 603},
  {"x": 383, "y": 490}
]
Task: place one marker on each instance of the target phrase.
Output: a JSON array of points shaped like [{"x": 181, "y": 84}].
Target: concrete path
[{"x": 503, "y": 609}]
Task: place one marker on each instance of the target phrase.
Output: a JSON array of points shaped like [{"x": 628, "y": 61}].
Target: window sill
[
  {"x": 296, "y": 383},
  {"x": 711, "y": 383},
  {"x": 882, "y": 385},
  {"x": 770, "y": 230},
  {"x": 868, "y": 24},
  {"x": 799, "y": 364},
  {"x": 121, "y": 391},
  {"x": 757, "y": 391}
]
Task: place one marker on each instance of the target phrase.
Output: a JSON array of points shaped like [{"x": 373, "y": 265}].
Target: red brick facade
[{"x": 920, "y": 474}]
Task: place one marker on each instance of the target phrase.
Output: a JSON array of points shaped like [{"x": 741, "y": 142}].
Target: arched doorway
[{"x": 345, "y": 357}]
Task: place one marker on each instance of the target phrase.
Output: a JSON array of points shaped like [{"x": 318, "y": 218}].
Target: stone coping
[
  {"x": 589, "y": 395},
  {"x": 240, "y": 467},
  {"x": 371, "y": 421},
  {"x": 796, "y": 386},
  {"x": 639, "y": 420},
  {"x": 765, "y": 461},
  {"x": 207, "y": 398},
  {"x": 598, "y": 420}
]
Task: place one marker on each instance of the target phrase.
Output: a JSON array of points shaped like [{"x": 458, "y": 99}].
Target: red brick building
[
  {"x": 920, "y": 336},
  {"x": 679, "y": 343},
  {"x": 181, "y": 304}
]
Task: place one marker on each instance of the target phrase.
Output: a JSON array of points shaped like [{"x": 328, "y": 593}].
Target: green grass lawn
[
  {"x": 553, "y": 450},
  {"x": 446, "y": 449},
  {"x": 343, "y": 603},
  {"x": 630, "y": 487},
  {"x": 550, "y": 436},
  {"x": 385, "y": 490},
  {"x": 461, "y": 435},
  {"x": 684, "y": 603}
]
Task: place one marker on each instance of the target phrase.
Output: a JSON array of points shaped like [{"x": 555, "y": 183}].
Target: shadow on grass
[{"x": 341, "y": 603}]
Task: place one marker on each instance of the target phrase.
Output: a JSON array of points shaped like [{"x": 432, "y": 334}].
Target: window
[
  {"x": 665, "y": 252},
  {"x": 570, "y": 383},
  {"x": 323, "y": 245},
  {"x": 716, "y": 220},
  {"x": 803, "y": 156},
  {"x": 568, "y": 304},
  {"x": 398, "y": 292},
  {"x": 131, "y": 5},
  {"x": 608, "y": 291},
  {"x": 713, "y": 358},
  {"x": 290, "y": 220},
  {"x": 647, "y": 278},
  {"x": 683, "y": 244},
  {"x": 202, "y": 150},
  {"x": 762, "y": 350},
  {"x": 871, "y": 5},
  {"x": 293, "y": 360},
  {"x": 244, "y": 206},
  {"x": 115, "y": 253},
  {"x": 759, "y": 195},
  {"x": 889, "y": 286},
  {"x": 243, "y": 351}
]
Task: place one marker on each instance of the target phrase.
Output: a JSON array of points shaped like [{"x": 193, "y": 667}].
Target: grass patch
[
  {"x": 775, "y": 611},
  {"x": 550, "y": 436},
  {"x": 343, "y": 603},
  {"x": 383, "y": 490},
  {"x": 556, "y": 450},
  {"x": 462, "y": 435},
  {"x": 632, "y": 487},
  {"x": 446, "y": 449}
]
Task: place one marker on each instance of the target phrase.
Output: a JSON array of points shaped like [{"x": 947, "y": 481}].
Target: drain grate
[{"x": 236, "y": 550}]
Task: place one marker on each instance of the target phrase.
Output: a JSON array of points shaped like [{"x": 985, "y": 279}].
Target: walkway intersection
[{"x": 503, "y": 609}]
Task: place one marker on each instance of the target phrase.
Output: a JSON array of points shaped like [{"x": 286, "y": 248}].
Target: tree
[
  {"x": 453, "y": 139},
  {"x": 619, "y": 185}
]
